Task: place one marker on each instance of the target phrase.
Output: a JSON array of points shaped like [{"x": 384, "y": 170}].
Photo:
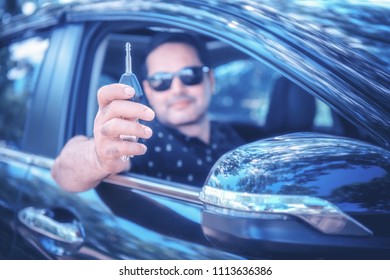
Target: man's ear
[{"x": 212, "y": 80}]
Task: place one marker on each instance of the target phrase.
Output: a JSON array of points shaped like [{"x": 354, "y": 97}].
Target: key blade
[{"x": 128, "y": 58}]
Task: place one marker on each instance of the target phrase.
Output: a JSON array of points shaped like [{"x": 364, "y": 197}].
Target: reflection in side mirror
[{"x": 300, "y": 195}]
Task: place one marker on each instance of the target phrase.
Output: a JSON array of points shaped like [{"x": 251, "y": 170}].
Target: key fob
[{"x": 129, "y": 78}]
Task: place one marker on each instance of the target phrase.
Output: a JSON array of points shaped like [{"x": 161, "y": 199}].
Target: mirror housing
[{"x": 301, "y": 195}]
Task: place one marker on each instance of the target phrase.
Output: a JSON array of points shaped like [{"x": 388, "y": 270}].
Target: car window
[
  {"x": 249, "y": 93},
  {"x": 242, "y": 91},
  {"x": 20, "y": 62},
  {"x": 244, "y": 95},
  {"x": 256, "y": 100}
]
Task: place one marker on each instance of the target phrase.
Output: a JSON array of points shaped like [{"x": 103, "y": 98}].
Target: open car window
[{"x": 257, "y": 101}]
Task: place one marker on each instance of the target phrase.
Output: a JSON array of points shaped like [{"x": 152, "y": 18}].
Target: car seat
[{"x": 291, "y": 109}]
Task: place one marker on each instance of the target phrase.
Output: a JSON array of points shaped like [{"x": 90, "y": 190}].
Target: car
[{"x": 306, "y": 84}]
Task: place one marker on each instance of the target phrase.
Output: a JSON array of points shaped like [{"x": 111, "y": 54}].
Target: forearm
[{"x": 77, "y": 167}]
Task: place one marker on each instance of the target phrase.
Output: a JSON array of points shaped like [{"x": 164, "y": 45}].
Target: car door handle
[{"x": 44, "y": 222}]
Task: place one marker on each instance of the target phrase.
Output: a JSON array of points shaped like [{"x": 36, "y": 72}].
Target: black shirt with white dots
[{"x": 176, "y": 157}]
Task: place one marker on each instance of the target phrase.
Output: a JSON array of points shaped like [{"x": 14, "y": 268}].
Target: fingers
[
  {"x": 113, "y": 151},
  {"x": 109, "y": 142},
  {"x": 126, "y": 109},
  {"x": 116, "y": 127},
  {"x": 118, "y": 116},
  {"x": 114, "y": 103},
  {"x": 108, "y": 93},
  {"x": 110, "y": 155}
]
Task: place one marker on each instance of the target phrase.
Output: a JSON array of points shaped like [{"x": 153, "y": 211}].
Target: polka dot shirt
[{"x": 176, "y": 157}]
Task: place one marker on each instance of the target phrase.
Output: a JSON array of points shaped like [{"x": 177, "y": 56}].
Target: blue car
[{"x": 305, "y": 83}]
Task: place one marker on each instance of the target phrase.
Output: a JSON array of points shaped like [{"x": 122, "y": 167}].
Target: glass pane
[
  {"x": 248, "y": 92},
  {"x": 246, "y": 83},
  {"x": 19, "y": 69}
]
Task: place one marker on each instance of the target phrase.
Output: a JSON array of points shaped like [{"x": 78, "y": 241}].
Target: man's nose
[{"x": 177, "y": 86}]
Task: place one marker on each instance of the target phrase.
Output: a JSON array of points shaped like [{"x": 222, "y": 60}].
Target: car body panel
[{"x": 107, "y": 234}]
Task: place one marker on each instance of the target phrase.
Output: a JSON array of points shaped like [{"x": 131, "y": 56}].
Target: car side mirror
[{"x": 301, "y": 195}]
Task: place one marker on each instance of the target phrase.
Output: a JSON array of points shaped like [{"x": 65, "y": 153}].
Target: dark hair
[{"x": 176, "y": 37}]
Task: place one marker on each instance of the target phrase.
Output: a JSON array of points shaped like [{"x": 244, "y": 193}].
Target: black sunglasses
[{"x": 189, "y": 76}]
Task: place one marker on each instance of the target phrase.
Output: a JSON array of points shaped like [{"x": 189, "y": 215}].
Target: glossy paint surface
[{"x": 352, "y": 174}]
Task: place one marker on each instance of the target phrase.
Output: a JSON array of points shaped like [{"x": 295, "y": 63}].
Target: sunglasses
[{"x": 189, "y": 76}]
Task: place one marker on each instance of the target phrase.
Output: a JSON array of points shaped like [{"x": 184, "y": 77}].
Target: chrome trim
[
  {"x": 26, "y": 158},
  {"x": 182, "y": 192},
  {"x": 179, "y": 192},
  {"x": 319, "y": 213},
  {"x": 36, "y": 220}
]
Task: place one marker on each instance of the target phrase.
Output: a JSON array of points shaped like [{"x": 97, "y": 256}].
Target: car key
[{"x": 129, "y": 78}]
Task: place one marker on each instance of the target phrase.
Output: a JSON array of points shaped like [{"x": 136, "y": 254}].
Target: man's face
[{"x": 180, "y": 104}]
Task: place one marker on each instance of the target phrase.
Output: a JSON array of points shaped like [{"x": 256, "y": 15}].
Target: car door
[
  {"x": 283, "y": 54},
  {"x": 21, "y": 59},
  {"x": 52, "y": 223}
]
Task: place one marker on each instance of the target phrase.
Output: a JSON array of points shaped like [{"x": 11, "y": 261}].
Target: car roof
[{"x": 339, "y": 51}]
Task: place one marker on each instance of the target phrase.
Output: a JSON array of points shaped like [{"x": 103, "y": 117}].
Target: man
[{"x": 185, "y": 143}]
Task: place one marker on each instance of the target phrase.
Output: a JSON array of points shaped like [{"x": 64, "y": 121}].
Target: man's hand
[
  {"x": 83, "y": 163},
  {"x": 118, "y": 116}
]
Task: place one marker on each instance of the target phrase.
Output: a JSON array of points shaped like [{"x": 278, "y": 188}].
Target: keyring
[{"x": 129, "y": 138}]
